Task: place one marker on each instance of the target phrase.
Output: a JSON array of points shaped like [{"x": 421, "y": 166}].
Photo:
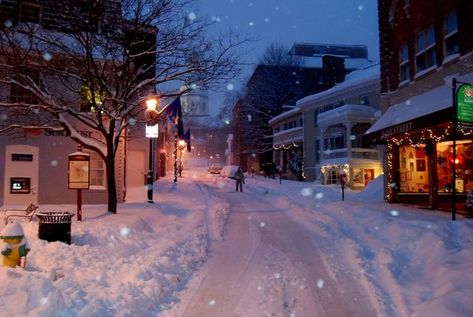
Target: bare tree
[
  {"x": 92, "y": 63},
  {"x": 275, "y": 82}
]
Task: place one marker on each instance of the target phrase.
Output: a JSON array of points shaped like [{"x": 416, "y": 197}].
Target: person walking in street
[{"x": 240, "y": 179}]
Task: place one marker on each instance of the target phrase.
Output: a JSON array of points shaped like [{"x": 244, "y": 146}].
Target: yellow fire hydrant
[{"x": 16, "y": 247}]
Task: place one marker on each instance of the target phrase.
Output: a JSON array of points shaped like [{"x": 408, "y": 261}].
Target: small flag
[{"x": 187, "y": 138}]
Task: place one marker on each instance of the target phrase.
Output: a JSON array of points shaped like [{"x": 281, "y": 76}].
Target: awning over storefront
[{"x": 421, "y": 111}]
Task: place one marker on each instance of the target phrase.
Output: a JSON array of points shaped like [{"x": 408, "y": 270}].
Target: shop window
[
  {"x": 89, "y": 100},
  {"x": 450, "y": 31},
  {"x": 463, "y": 166},
  {"x": 413, "y": 172},
  {"x": 425, "y": 49},
  {"x": 332, "y": 176},
  {"x": 403, "y": 63}
]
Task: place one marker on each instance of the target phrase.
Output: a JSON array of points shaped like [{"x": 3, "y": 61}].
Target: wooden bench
[{"x": 26, "y": 213}]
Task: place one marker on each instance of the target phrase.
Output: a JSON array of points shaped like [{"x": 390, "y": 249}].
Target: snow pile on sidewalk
[{"x": 129, "y": 264}]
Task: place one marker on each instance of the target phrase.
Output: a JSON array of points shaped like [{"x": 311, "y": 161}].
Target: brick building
[{"x": 423, "y": 45}]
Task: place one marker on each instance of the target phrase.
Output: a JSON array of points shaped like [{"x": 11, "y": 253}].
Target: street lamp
[{"x": 151, "y": 133}]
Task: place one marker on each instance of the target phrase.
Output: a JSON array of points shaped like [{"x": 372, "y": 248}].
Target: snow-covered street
[{"x": 290, "y": 249}]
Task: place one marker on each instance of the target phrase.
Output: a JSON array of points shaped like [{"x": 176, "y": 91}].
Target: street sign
[{"x": 465, "y": 106}]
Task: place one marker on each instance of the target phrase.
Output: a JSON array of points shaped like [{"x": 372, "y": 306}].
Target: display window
[
  {"x": 463, "y": 166},
  {"x": 413, "y": 174}
]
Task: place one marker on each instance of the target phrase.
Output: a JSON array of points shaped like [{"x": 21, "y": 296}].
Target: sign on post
[
  {"x": 79, "y": 170},
  {"x": 78, "y": 176},
  {"x": 465, "y": 106}
]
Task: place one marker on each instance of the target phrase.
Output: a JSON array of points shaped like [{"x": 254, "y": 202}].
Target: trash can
[{"x": 55, "y": 226}]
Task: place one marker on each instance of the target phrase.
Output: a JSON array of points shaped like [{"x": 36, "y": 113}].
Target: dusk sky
[{"x": 290, "y": 21}]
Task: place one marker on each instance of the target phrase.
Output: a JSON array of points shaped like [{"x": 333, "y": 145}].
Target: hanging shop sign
[{"x": 465, "y": 106}]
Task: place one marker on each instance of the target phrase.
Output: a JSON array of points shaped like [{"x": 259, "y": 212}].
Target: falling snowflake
[
  {"x": 249, "y": 217},
  {"x": 262, "y": 224},
  {"x": 230, "y": 87},
  {"x": 306, "y": 191},
  {"x": 132, "y": 121},
  {"x": 124, "y": 231},
  {"x": 277, "y": 276},
  {"x": 266, "y": 20},
  {"x": 249, "y": 117},
  {"x": 392, "y": 185},
  {"x": 47, "y": 57},
  {"x": 54, "y": 163},
  {"x": 214, "y": 18},
  {"x": 194, "y": 86},
  {"x": 352, "y": 137},
  {"x": 251, "y": 23},
  {"x": 394, "y": 213},
  {"x": 192, "y": 16},
  {"x": 320, "y": 283},
  {"x": 253, "y": 154},
  {"x": 8, "y": 23},
  {"x": 3, "y": 117},
  {"x": 297, "y": 82},
  {"x": 408, "y": 102},
  {"x": 360, "y": 7},
  {"x": 251, "y": 4},
  {"x": 212, "y": 302},
  {"x": 44, "y": 300},
  {"x": 260, "y": 288},
  {"x": 221, "y": 185},
  {"x": 319, "y": 195}
]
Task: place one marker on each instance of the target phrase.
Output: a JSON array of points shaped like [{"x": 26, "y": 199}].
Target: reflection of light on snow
[
  {"x": 54, "y": 163},
  {"x": 192, "y": 16},
  {"x": 262, "y": 224},
  {"x": 251, "y": 23},
  {"x": 319, "y": 195},
  {"x": 306, "y": 191},
  {"x": 394, "y": 213},
  {"x": 230, "y": 87},
  {"x": 212, "y": 302},
  {"x": 47, "y": 57},
  {"x": 124, "y": 231},
  {"x": 320, "y": 283},
  {"x": 277, "y": 275}
]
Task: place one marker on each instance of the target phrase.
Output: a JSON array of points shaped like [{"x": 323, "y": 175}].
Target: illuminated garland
[
  {"x": 390, "y": 192},
  {"x": 286, "y": 147}
]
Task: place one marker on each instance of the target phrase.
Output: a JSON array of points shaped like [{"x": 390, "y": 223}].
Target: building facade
[
  {"x": 334, "y": 121},
  {"x": 424, "y": 45},
  {"x": 288, "y": 139},
  {"x": 34, "y": 159}
]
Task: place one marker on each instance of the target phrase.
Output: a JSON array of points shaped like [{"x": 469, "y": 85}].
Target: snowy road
[{"x": 269, "y": 265}]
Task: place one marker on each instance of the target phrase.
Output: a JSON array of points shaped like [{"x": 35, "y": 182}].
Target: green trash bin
[{"x": 55, "y": 226}]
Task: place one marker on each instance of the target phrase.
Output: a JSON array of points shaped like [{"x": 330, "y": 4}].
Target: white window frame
[
  {"x": 94, "y": 156},
  {"x": 425, "y": 49},
  {"x": 404, "y": 63},
  {"x": 449, "y": 34}
]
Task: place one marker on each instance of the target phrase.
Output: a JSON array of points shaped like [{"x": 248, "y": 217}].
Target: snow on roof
[
  {"x": 431, "y": 101},
  {"x": 285, "y": 114},
  {"x": 354, "y": 78},
  {"x": 350, "y": 63}
]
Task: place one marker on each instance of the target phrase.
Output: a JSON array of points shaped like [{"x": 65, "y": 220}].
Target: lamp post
[{"x": 151, "y": 133}]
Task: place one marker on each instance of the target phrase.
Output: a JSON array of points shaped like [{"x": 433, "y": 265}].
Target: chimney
[{"x": 333, "y": 70}]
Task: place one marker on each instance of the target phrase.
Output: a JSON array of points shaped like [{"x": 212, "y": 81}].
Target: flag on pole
[
  {"x": 174, "y": 113},
  {"x": 187, "y": 138}
]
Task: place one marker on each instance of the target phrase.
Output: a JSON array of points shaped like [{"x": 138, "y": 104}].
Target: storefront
[{"x": 420, "y": 160}]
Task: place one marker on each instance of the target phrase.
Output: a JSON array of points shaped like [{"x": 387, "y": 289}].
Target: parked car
[
  {"x": 229, "y": 171},
  {"x": 215, "y": 168}
]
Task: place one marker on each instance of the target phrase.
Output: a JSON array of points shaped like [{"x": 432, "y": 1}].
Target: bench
[{"x": 26, "y": 213}]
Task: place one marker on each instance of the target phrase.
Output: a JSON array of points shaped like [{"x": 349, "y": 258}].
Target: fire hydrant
[{"x": 16, "y": 246}]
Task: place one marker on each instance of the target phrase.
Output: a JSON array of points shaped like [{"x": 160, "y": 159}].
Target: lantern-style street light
[{"x": 152, "y": 117}]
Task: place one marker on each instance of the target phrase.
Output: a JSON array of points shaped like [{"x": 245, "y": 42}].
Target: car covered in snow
[
  {"x": 229, "y": 171},
  {"x": 215, "y": 168}
]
